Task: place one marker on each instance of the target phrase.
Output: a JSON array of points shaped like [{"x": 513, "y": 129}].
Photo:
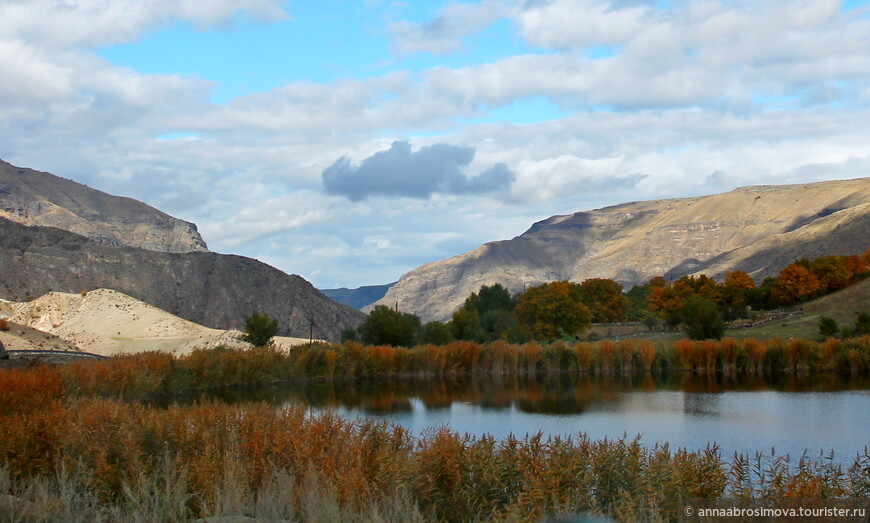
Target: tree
[
  {"x": 605, "y": 300},
  {"x": 862, "y": 323},
  {"x": 384, "y": 326},
  {"x": 831, "y": 272},
  {"x": 857, "y": 266},
  {"x": 794, "y": 283},
  {"x": 435, "y": 333},
  {"x": 492, "y": 298},
  {"x": 465, "y": 325},
  {"x": 259, "y": 329},
  {"x": 485, "y": 315},
  {"x": 828, "y": 327},
  {"x": 739, "y": 280},
  {"x": 552, "y": 310},
  {"x": 349, "y": 334},
  {"x": 702, "y": 319}
]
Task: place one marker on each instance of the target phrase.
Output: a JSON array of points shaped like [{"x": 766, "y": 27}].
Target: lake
[{"x": 790, "y": 414}]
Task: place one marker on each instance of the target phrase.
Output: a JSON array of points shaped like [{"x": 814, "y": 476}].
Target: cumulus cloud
[
  {"x": 65, "y": 23},
  {"x": 400, "y": 171},
  {"x": 443, "y": 33}
]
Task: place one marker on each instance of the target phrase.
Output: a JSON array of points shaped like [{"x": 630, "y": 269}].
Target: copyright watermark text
[{"x": 759, "y": 510}]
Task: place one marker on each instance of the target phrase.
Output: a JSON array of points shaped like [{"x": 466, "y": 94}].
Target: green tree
[
  {"x": 862, "y": 323},
  {"x": 349, "y": 334},
  {"x": 384, "y": 326},
  {"x": 490, "y": 298},
  {"x": 828, "y": 327},
  {"x": 259, "y": 329},
  {"x": 552, "y": 310},
  {"x": 605, "y": 300},
  {"x": 702, "y": 319},
  {"x": 465, "y": 325},
  {"x": 435, "y": 333}
]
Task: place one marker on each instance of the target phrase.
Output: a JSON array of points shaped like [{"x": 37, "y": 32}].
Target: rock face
[
  {"x": 36, "y": 198},
  {"x": 757, "y": 229},
  {"x": 214, "y": 290}
]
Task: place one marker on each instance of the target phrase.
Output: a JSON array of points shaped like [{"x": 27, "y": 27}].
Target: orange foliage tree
[
  {"x": 605, "y": 300},
  {"x": 551, "y": 310},
  {"x": 831, "y": 272},
  {"x": 794, "y": 283}
]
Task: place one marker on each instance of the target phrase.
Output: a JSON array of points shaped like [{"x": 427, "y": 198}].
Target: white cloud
[
  {"x": 707, "y": 96},
  {"x": 444, "y": 33},
  {"x": 93, "y": 23}
]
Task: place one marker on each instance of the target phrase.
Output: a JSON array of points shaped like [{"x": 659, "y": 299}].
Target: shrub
[
  {"x": 259, "y": 329},
  {"x": 828, "y": 327},
  {"x": 702, "y": 319}
]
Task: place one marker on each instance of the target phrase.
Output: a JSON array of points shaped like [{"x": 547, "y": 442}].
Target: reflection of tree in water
[{"x": 562, "y": 394}]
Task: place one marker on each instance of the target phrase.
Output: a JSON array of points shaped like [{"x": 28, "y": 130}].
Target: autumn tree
[
  {"x": 552, "y": 310},
  {"x": 665, "y": 300},
  {"x": 733, "y": 292},
  {"x": 857, "y": 266},
  {"x": 605, "y": 300},
  {"x": 794, "y": 283},
  {"x": 831, "y": 272}
]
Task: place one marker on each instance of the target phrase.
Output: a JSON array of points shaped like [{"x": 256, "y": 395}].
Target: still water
[{"x": 792, "y": 415}]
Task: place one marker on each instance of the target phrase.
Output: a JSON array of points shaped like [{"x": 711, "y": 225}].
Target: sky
[{"x": 351, "y": 141}]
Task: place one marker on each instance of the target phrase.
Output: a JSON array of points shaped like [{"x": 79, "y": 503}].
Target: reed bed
[
  {"x": 136, "y": 376},
  {"x": 78, "y": 444},
  {"x": 96, "y": 458}
]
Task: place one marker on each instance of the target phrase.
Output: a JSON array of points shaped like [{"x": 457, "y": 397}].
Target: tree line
[{"x": 563, "y": 310}]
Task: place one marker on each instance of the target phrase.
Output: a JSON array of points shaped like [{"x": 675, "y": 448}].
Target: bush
[
  {"x": 259, "y": 329},
  {"x": 828, "y": 327},
  {"x": 862, "y": 323},
  {"x": 702, "y": 319}
]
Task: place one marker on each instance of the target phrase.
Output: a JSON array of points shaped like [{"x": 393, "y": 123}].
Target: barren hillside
[
  {"x": 758, "y": 229},
  {"x": 108, "y": 322}
]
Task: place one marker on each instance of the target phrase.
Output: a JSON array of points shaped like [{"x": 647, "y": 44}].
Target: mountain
[
  {"x": 58, "y": 235},
  {"x": 758, "y": 229},
  {"x": 214, "y": 290},
  {"x": 37, "y": 198},
  {"x": 359, "y": 297}
]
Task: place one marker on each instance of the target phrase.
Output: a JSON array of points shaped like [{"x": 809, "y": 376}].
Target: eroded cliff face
[
  {"x": 36, "y": 198},
  {"x": 214, "y": 290},
  {"x": 756, "y": 229}
]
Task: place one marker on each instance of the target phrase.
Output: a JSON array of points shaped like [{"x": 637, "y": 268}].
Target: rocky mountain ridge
[
  {"x": 32, "y": 197},
  {"x": 758, "y": 229},
  {"x": 213, "y": 290}
]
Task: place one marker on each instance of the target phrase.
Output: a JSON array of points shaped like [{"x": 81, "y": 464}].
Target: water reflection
[
  {"x": 792, "y": 413},
  {"x": 559, "y": 395}
]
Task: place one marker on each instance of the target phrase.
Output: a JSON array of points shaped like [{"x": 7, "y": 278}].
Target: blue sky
[{"x": 351, "y": 141}]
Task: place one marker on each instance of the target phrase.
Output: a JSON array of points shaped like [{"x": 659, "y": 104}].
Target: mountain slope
[
  {"x": 108, "y": 322},
  {"x": 36, "y": 198},
  {"x": 214, "y": 290},
  {"x": 359, "y": 297},
  {"x": 757, "y": 229}
]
